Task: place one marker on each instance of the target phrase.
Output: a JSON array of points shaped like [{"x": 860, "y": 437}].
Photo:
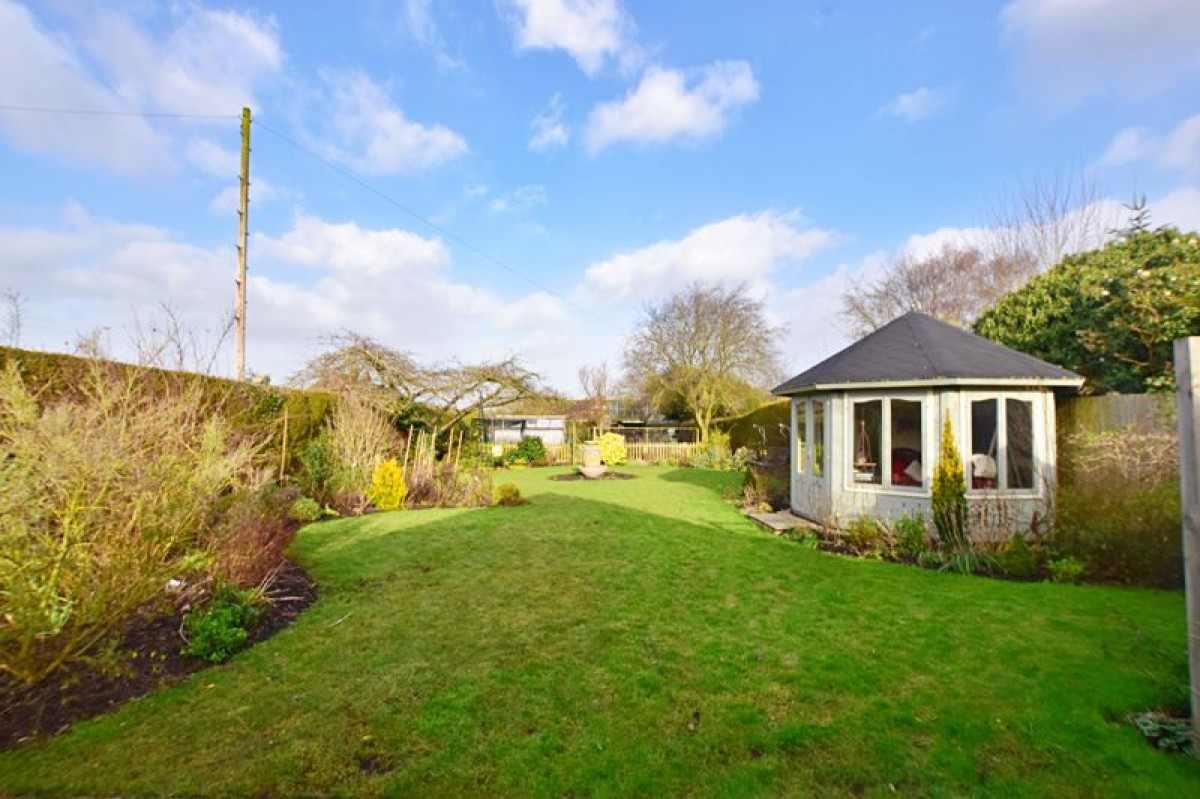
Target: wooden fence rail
[{"x": 635, "y": 452}]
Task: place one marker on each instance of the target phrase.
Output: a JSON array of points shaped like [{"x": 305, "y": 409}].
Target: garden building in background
[{"x": 866, "y": 425}]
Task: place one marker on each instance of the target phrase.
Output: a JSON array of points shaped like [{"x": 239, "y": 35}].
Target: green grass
[{"x": 565, "y": 647}]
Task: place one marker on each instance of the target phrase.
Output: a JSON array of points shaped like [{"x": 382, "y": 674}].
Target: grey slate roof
[{"x": 918, "y": 347}]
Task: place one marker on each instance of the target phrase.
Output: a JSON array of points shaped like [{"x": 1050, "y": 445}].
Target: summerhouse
[{"x": 866, "y": 424}]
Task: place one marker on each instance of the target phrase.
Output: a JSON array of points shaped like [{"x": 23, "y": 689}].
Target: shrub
[
  {"x": 530, "y": 450},
  {"x": 950, "y": 509},
  {"x": 716, "y": 454},
  {"x": 248, "y": 538},
  {"x": 388, "y": 488},
  {"x": 911, "y": 536},
  {"x": 1166, "y": 732},
  {"x": 317, "y": 467},
  {"x": 359, "y": 438},
  {"x": 1018, "y": 559},
  {"x": 305, "y": 510},
  {"x": 107, "y": 494},
  {"x": 931, "y": 559},
  {"x": 1118, "y": 509},
  {"x": 1067, "y": 570},
  {"x": 223, "y": 626},
  {"x": 509, "y": 495},
  {"x": 866, "y": 537},
  {"x": 612, "y": 449}
]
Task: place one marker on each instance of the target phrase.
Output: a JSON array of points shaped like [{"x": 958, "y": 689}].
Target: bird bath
[{"x": 592, "y": 467}]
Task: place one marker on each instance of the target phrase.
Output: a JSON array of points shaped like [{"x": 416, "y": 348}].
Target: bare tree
[
  {"x": 704, "y": 344},
  {"x": 594, "y": 381},
  {"x": 92, "y": 344},
  {"x": 442, "y": 395},
  {"x": 1047, "y": 218},
  {"x": 163, "y": 340},
  {"x": 954, "y": 284},
  {"x": 14, "y": 314}
]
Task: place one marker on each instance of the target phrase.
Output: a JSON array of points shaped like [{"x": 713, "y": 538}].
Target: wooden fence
[{"x": 636, "y": 452}]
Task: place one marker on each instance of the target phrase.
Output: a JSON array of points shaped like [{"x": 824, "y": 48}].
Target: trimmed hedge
[
  {"x": 743, "y": 433},
  {"x": 257, "y": 410}
]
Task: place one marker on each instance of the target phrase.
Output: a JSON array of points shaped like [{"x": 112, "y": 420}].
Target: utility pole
[{"x": 239, "y": 313}]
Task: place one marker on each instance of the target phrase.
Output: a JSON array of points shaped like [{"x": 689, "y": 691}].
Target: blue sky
[{"x": 548, "y": 167}]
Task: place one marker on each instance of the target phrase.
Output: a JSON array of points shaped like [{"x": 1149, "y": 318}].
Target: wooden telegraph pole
[
  {"x": 239, "y": 314},
  {"x": 1187, "y": 393}
]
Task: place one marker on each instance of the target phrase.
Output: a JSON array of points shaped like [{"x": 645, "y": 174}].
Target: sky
[{"x": 475, "y": 179}]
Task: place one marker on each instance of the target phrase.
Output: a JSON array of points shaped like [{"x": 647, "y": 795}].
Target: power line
[
  {"x": 429, "y": 223},
  {"x": 100, "y": 112}
]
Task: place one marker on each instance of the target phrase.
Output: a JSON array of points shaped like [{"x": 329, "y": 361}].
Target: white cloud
[
  {"x": 549, "y": 131},
  {"x": 810, "y": 314},
  {"x": 1178, "y": 149},
  {"x": 315, "y": 277},
  {"x": 1181, "y": 148},
  {"x": 226, "y": 200},
  {"x": 520, "y": 200},
  {"x": 921, "y": 103},
  {"x": 210, "y": 62},
  {"x": 369, "y": 133},
  {"x": 590, "y": 31},
  {"x": 44, "y": 70},
  {"x": 346, "y": 248},
  {"x": 664, "y": 108},
  {"x": 477, "y": 190},
  {"x": 418, "y": 20},
  {"x": 1129, "y": 145},
  {"x": 744, "y": 248},
  {"x": 1180, "y": 208},
  {"x": 1068, "y": 50},
  {"x": 204, "y": 62},
  {"x": 212, "y": 158}
]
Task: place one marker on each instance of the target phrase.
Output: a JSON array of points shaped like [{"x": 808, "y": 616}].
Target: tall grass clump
[{"x": 104, "y": 497}]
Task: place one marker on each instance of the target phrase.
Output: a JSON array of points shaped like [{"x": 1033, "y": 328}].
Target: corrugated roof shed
[{"x": 917, "y": 347}]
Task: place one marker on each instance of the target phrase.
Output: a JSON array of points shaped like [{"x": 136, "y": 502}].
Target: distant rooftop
[{"x": 918, "y": 348}]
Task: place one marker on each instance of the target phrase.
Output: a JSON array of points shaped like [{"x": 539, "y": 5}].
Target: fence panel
[{"x": 635, "y": 452}]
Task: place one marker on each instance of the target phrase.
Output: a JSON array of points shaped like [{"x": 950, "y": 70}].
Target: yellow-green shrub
[
  {"x": 388, "y": 488},
  {"x": 105, "y": 495},
  {"x": 950, "y": 509},
  {"x": 612, "y": 449}
]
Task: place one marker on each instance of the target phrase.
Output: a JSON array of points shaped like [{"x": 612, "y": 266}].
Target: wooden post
[
  {"x": 239, "y": 314},
  {"x": 1187, "y": 395},
  {"x": 283, "y": 449}
]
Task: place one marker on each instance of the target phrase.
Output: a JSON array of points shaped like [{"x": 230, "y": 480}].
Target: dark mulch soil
[
  {"x": 150, "y": 658},
  {"x": 605, "y": 476}
]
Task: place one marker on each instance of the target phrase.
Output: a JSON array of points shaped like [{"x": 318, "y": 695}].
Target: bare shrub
[
  {"x": 360, "y": 437},
  {"x": 103, "y": 498},
  {"x": 1120, "y": 511}
]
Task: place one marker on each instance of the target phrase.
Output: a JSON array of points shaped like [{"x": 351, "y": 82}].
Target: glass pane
[
  {"x": 1019, "y": 424},
  {"x": 868, "y": 426},
  {"x": 801, "y": 437},
  {"x": 907, "y": 464},
  {"x": 818, "y": 442},
  {"x": 982, "y": 466}
]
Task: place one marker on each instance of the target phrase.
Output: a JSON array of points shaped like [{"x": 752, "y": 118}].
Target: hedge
[
  {"x": 257, "y": 410},
  {"x": 743, "y": 433}
]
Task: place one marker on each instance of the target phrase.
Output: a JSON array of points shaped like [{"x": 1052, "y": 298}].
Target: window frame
[
  {"x": 850, "y": 434},
  {"x": 802, "y": 408},
  {"x": 1037, "y": 441}
]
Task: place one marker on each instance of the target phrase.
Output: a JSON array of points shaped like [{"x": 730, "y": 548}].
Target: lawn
[{"x": 640, "y": 638}]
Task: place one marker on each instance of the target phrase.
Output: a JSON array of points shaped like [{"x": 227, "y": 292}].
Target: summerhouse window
[
  {"x": 907, "y": 461},
  {"x": 801, "y": 436},
  {"x": 1002, "y": 451},
  {"x": 868, "y": 438},
  {"x": 888, "y": 443},
  {"x": 818, "y": 438}
]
